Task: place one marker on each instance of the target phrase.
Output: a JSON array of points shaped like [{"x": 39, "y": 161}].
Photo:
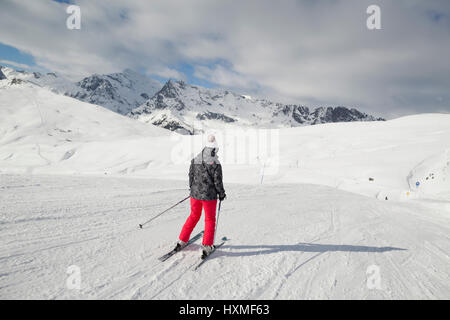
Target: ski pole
[
  {"x": 142, "y": 224},
  {"x": 217, "y": 222}
]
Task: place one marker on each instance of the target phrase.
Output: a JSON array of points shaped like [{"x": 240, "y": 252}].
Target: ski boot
[
  {"x": 206, "y": 250},
  {"x": 180, "y": 245}
]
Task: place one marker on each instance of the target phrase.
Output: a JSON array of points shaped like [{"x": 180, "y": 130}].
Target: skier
[{"x": 205, "y": 182}]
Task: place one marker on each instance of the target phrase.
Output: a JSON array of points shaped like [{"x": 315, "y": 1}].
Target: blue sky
[
  {"x": 14, "y": 58},
  {"x": 315, "y": 53},
  {"x": 12, "y": 54},
  {"x": 19, "y": 59},
  {"x": 187, "y": 70}
]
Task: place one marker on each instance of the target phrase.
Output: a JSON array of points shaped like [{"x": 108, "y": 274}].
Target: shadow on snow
[{"x": 303, "y": 247}]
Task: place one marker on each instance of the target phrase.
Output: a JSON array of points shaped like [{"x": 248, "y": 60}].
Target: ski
[
  {"x": 172, "y": 252},
  {"x": 207, "y": 257}
]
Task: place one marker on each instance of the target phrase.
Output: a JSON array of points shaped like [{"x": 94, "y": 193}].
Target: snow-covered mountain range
[
  {"x": 118, "y": 92},
  {"x": 182, "y": 107},
  {"x": 49, "y": 80},
  {"x": 187, "y": 108}
]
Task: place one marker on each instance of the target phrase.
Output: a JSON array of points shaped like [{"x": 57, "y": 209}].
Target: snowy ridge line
[
  {"x": 118, "y": 92},
  {"x": 181, "y": 107},
  {"x": 189, "y": 109}
]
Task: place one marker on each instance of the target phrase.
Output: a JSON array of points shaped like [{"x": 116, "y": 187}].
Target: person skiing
[{"x": 205, "y": 183}]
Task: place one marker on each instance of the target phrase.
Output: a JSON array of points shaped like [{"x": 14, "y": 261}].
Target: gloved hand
[{"x": 222, "y": 197}]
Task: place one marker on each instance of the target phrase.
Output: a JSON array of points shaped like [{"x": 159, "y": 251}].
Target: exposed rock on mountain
[
  {"x": 186, "y": 109},
  {"x": 119, "y": 92},
  {"x": 182, "y": 107}
]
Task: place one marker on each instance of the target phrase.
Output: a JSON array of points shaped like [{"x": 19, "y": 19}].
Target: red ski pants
[{"x": 210, "y": 220}]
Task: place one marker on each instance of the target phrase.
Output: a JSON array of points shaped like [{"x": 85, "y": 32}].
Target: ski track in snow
[{"x": 285, "y": 242}]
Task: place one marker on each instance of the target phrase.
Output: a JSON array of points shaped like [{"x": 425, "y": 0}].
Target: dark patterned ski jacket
[{"x": 205, "y": 176}]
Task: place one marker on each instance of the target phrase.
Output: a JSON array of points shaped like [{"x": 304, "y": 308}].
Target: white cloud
[
  {"x": 310, "y": 52},
  {"x": 224, "y": 77},
  {"x": 15, "y": 64},
  {"x": 168, "y": 73}
]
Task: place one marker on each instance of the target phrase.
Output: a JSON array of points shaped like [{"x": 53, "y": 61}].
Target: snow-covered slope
[
  {"x": 185, "y": 108},
  {"x": 39, "y": 128},
  {"x": 43, "y": 132},
  {"x": 285, "y": 242},
  {"x": 377, "y": 159},
  {"x": 297, "y": 235}
]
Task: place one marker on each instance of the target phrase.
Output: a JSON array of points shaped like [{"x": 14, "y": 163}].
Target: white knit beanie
[{"x": 211, "y": 142}]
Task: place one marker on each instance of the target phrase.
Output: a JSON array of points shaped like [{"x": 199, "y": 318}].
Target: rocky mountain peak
[
  {"x": 182, "y": 107},
  {"x": 186, "y": 108},
  {"x": 95, "y": 82},
  {"x": 119, "y": 92},
  {"x": 2, "y": 76},
  {"x": 170, "y": 89}
]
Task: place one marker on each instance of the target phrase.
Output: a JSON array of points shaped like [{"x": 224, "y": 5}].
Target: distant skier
[{"x": 205, "y": 182}]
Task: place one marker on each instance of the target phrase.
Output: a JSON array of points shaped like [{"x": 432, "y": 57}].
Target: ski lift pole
[
  {"x": 262, "y": 172},
  {"x": 142, "y": 224}
]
